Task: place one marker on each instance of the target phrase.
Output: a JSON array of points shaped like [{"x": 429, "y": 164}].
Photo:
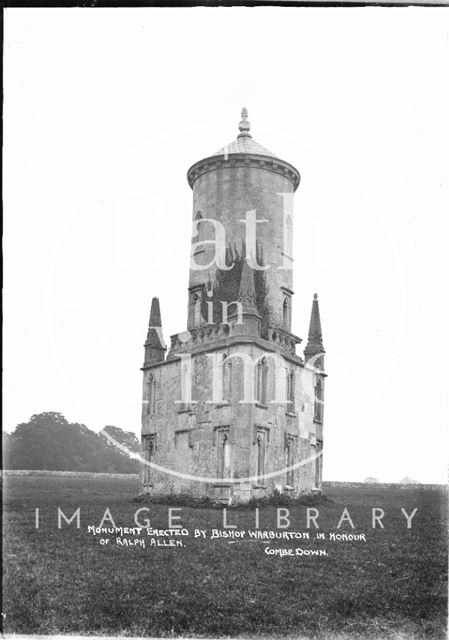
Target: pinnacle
[
  {"x": 247, "y": 290},
  {"x": 154, "y": 336},
  {"x": 155, "y": 315},
  {"x": 315, "y": 338}
]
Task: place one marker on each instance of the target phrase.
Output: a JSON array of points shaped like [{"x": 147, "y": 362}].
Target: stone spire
[
  {"x": 155, "y": 314},
  {"x": 244, "y": 125},
  {"x": 315, "y": 339},
  {"x": 154, "y": 345},
  {"x": 247, "y": 322}
]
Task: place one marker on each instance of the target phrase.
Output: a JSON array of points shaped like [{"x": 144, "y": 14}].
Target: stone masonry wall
[
  {"x": 186, "y": 436},
  {"x": 225, "y": 195}
]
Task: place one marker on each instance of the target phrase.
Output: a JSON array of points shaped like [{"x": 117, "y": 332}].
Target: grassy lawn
[{"x": 65, "y": 581}]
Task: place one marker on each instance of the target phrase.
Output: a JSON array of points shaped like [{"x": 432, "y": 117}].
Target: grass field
[{"x": 65, "y": 581}]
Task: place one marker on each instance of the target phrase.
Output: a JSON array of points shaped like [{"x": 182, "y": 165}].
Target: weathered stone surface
[{"x": 252, "y": 421}]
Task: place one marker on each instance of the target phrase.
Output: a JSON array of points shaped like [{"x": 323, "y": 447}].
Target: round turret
[{"x": 249, "y": 191}]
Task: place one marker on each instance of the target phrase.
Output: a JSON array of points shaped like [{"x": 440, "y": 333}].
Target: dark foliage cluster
[
  {"x": 278, "y": 499},
  {"x": 226, "y": 286},
  {"x": 49, "y": 442},
  {"x": 178, "y": 500}
]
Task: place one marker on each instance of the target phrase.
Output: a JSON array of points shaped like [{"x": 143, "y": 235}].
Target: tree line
[{"x": 49, "y": 442}]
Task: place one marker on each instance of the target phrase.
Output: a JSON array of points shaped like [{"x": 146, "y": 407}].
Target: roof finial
[
  {"x": 315, "y": 296},
  {"x": 244, "y": 125}
]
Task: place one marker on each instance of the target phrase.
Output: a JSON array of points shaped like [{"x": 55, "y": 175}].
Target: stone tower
[{"x": 233, "y": 412}]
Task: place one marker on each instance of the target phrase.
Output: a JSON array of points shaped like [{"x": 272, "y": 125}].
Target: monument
[{"x": 231, "y": 411}]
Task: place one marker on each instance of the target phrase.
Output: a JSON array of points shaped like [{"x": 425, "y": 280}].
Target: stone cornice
[
  {"x": 257, "y": 161},
  {"x": 226, "y": 343}
]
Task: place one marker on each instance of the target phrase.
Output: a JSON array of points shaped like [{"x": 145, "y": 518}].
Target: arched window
[
  {"x": 149, "y": 449},
  {"x": 290, "y": 461},
  {"x": 196, "y": 309},
  {"x": 318, "y": 407},
  {"x": 291, "y": 391},
  {"x": 286, "y": 315},
  {"x": 260, "y": 457},
  {"x": 151, "y": 395},
  {"x": 199, "y": 234},
  {"x": 224, "y": 456},
  {"x": 199, "y": 227},
  {"x": 314, "y": 453},
  {"x": 227, "y": 379},
  {"x": 318, "y": 463},
  {"x": 261, "y": 381}
]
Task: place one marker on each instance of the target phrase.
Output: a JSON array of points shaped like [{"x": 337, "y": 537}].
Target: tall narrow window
[
  {"x": 318, "y": 407},
  {"x": 291, "y": 392},
  {"x": 227, "y": 379},
  {"x": 151, "y": 395},
  {"x": 260, "y": 457},
  {"x": 318, "y": 463},
  {"x": 149, "y": 448},
  {"x": 286, "y": 314},
  {"x": 186, "y": 387},
  {"x": 290, "y": 460},
  {"x": 197, "y": 218},
  {"x": 313, "y": 462},
  {"x": 261, "y": 381},
  {"x": 196, "y": 309},
  {"x": 199, "y": 233},
  {"x": 224, "y": 455}
]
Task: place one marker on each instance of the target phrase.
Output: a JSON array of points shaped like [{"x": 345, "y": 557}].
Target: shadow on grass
[{"x": 276, "y": 499}]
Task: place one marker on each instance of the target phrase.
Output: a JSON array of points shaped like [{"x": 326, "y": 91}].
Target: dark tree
[{"x": 49, "y": 442}]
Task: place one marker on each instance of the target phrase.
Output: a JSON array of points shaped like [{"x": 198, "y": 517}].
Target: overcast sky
[{"x": 104, "y": 112}]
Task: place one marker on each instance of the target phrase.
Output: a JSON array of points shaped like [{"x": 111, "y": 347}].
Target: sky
[{"x": 104, "y": 112}]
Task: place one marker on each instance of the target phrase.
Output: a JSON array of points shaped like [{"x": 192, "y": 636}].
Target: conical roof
[
  {"x": 244, "y": 149},
  {"x": 244, "y": 142},
  {"x": 244, "y": 145}
]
